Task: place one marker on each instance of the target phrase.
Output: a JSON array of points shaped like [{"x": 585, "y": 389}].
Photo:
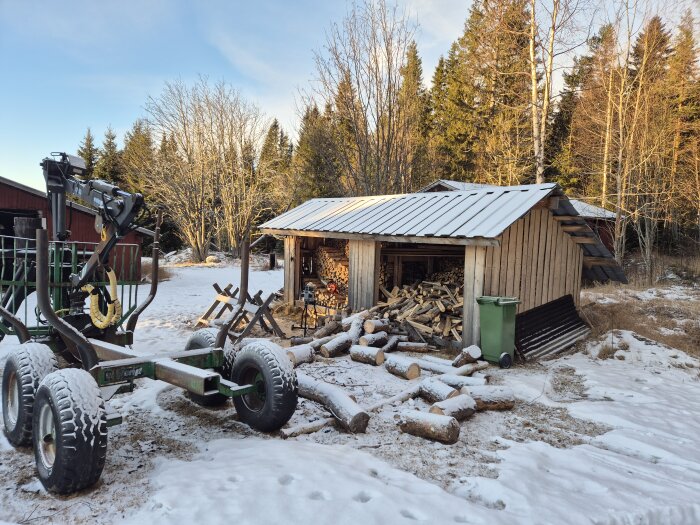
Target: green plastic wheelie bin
[{"x": 497, "y": 315}]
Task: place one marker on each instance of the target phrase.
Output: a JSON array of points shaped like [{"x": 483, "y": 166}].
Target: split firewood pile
[
  {"x": 454, "y": 394},
  {"x": 332, "y": 265},
  {"x": 433, "y": 309}
]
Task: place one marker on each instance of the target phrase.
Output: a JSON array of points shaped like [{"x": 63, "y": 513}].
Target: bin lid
[{"x": 498, "y": 301}]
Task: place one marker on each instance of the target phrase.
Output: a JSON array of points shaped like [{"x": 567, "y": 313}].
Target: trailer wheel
[
  {"x": 26, "y": 366},
  {"x": 206, "y": 338},
  {"x": 70, "y": 431},
  {"x": 274, "y": 401}
]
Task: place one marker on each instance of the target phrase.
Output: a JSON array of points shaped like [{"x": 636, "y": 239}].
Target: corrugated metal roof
[
  {"x": 475, "y": 214},
  {"x": 584, "y": 209}
]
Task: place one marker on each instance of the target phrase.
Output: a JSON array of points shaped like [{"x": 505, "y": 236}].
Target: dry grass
[
  {"x": 163, "y": 273},
  {"x": 685, "y": 268},
  {"x": 607, "y": 352},
  {"x": 675, "y": 323}
]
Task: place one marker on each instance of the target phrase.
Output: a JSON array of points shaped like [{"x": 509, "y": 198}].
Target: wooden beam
[
  {"x": 575, "y": 228},
  {"x": 477, "y": 241},
  {"x": 599, "y": 261},
  {"x": 291, "y": 262},
  {"x": 568, "y": 218},
  {"x": 584, "y": 240}
]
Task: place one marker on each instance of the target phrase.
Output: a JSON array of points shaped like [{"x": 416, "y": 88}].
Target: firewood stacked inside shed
[{"x": 429, "y": 309}]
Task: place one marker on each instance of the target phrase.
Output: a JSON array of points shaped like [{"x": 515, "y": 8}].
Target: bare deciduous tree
[
  {"x": 205, "y": 170},
  {"x": 359, "y": 76}
]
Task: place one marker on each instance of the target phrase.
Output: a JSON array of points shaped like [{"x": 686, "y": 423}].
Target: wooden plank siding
[
  {"x": 474, "y": 270},
  {"x": 292, "y": 258},
  {"x": 363, "y": 281},
  {"x": 536, "y": 262}
]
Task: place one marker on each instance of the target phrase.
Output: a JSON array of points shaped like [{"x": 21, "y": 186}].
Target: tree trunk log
[
  {"x": 391, "y": 344},
  {"x": 459, "y": 407},
  {"x": 346, "y": 322},
  {"x": 467, "y": 355},
  {"x": 376, "y": 325},
  {"x": 348, "y": 413},
  {"x": 400, "y": 397},
  {"x": 376, "y": 339},
  {"x": 300, "y": 354},
  {"x": 410, "y": 346},
  {"x": 317, "y": 343},
  {"x": 430, "y": 426},
  {"x": 329, "y": 328},
  {"x": 434, "y": 390},
  {"x": 307, "y": 428},
  {"x": 491, "y": 397},
  {"x": 296, "y": 341},
  {"x": 336, "y": 346},
  {"x": 355, "y": 331},
  {"x": 461, "y": 381},
  {"x": 367, "y": 354},
  {"x": 402, "y": 367}
]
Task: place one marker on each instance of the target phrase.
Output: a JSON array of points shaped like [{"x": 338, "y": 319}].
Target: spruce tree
[
  {"x": 109, "y": 166},
  {"x": 138, "y": 157},
  {"x": 414, "y": 108},
  {"x": 315, "y": 161},
  {"x": 89, "y": 153}
]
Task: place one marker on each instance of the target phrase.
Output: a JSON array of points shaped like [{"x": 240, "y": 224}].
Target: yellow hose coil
[{"x": 114, "y": 308}]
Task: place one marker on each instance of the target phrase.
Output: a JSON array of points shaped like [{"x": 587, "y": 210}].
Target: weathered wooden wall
[
  {"x": 363, "y": 282},
  {"x": 537, "y": 262},
  {"x": 474, "y": 271},
  {"x": 292, "y": 259}
]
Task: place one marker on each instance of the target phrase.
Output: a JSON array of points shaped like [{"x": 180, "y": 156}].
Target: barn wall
[
  {"x": 363, "y": 282},
  {"x": 537, "y": 262},
  {"x": 82, "y": 224}
]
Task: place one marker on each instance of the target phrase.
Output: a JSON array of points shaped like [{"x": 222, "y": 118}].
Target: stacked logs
[
  {"x": 332, "y": 265},
  {"x": 431, "y": 308}
]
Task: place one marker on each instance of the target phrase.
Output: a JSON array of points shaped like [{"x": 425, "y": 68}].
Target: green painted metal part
[
  {"x": 497, "y": 318},
  {"x": 17, "y": 255},
  {"x": 178, "y": 368}
]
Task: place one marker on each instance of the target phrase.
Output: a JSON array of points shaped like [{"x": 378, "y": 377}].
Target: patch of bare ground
[{"x": 671, "y": 321}]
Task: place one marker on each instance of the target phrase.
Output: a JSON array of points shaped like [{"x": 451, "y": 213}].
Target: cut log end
[
  {"x": 429, "y": 426},
  {"x": 402, "y": 367},
  {"x": 459, "y": 407},
  {"x": 367, "y": 354}
]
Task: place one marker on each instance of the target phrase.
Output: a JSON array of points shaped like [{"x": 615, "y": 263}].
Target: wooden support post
[
  {"x": 292, "y": 259},
  {"x": 474, "y": 267},
  {"x": 363, "y": 282},
  {"x": 245, "y": 266}
]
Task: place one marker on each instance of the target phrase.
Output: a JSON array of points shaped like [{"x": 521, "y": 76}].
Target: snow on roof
[
  {"x": 482, "y": 213},
  {"x": 584, "y": 209}
]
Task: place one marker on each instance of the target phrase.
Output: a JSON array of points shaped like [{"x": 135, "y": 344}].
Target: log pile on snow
[{"x": 450, "y": 389}]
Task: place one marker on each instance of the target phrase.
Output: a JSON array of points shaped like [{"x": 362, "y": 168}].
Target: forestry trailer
[{"x": 78, "y": 352}]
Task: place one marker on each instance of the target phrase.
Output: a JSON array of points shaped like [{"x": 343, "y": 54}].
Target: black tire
[
  {"x": 275, "y": 400},
  {"x": 206, "y": 338},
  {"x": 26, "y": 366},
  {"x": 505, "y": 361},
  {"x": 70, "y": 431}
]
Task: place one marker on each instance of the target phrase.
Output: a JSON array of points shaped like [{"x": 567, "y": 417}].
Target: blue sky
[{"x": 73, "y": 64}]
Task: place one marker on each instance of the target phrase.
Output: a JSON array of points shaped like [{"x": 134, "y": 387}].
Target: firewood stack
[
  {"x": 332, "y": 265},
  {"x": 332, "y": 300},
  {"x": 431, "y": 308}
]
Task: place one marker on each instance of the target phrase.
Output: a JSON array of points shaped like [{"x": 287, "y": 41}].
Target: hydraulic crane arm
[{"x": 117, "y": 209}]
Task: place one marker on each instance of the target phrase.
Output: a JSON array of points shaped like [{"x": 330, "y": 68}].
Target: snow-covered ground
[{"x": 604, "y": 441}]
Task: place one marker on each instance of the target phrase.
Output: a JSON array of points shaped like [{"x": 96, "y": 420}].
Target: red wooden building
[{"x": 18, "y": 200}]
